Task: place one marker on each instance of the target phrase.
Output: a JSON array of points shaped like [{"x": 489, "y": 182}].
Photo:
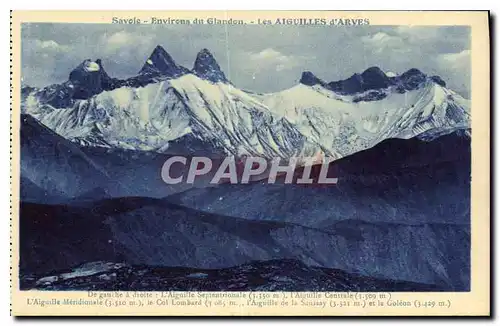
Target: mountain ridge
[
  {"x": 206, "y": 67},
  {"x": 167, "y": 103},
  {"x": 161, "y": 65},
  {"x": 172, "y": 235},
  {"x": 373, "y": 79},
  {"x": 301, "y": 121}
]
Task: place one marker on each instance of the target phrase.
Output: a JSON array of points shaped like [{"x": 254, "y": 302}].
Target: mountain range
[
  {"x": 92, "y": 149},
  {"x": 166, "y": 108}
]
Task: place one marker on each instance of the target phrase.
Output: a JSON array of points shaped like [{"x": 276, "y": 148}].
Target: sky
[{"x": 255, "y": 58}]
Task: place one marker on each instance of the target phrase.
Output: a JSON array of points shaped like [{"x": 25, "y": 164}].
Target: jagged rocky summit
[
  {"x": 206, "y": 67},
  {"x": 372, "y": 80},
  {"x": 161, "y": 63},
  {"x": 89, "y": 78}
]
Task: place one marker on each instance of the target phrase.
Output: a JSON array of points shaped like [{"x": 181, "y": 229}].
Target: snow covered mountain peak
[
  {"x": 161, "y": 63},
  {"x": 206, "y": 67}
]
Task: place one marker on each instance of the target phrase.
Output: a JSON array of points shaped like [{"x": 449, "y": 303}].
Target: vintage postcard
[{"x": 258, "y": 163}]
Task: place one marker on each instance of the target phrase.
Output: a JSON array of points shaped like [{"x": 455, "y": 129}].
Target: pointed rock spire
[
  {"x": 206, "y": 67},
  {"x": 88, "y": 78},
  {"x": 161, "y": 63},
  {"x": 309, "y": 79}
]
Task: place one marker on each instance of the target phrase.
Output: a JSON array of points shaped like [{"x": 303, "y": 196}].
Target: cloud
[
  {"x": 268, "y": 54},
  {"x": 457, "y": 66},
  {"x": 50, "y": 46},
  {"x": 457, "y": 60},
  {"x": 269, "y": 57},
  {"x": 417, "y": 33},
  {"x": 119, "y": 39},
  {"x": 405, "y": 39},
  {"x": 382, "y": 41},
  {"x": 124, "y": 40}
]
